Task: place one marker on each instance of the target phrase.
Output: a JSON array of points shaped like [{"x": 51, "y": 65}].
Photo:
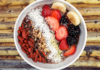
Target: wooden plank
[
  {"x": 6, "y": 26},
  {"x": 8, "y": 52},
  {"x": 87, "y": 63},
  {"x": 13, "y": 7},
  {"x": 23, "y": 2},
  {"x": 93, "y": 39},
  {"x": 7, "y": 40},
  {"x": 84, "y": 1},
  {"x": 80, "y": 5},
  {"x": 8, "y": 19},
  {"x": 6, "y": 31},
  {"x": 93, "y": 44},
  {"x": 89, "y": 11},
  {"x": 16, "y": 2},
  {"x": 88, "y": 58},
  {"x": 10, "y": 13},
  {"x": 91, "y": 17},
  {"x": 2, "y": 36},
  {"x": 7, "y": 44},
  {"x": 11, "y": 57}
]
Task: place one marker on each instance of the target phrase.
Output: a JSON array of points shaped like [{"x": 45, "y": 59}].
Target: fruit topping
[
  {"x": 63, "y": 45},
  {"x": 73, "y": 30},
  {"x": 70, "y": 51},
  {"x": 46, "y": 11},
  {"x": 61, "y": 33},
  {"x": 72, "y": 40},
  {"x": 63, "y": 20},
  {"x": 59, "y": 6},
  {"x": 56, "y": 14},
  {"x": 74, "y": 18},
  {"x": 53, "y": 23}
]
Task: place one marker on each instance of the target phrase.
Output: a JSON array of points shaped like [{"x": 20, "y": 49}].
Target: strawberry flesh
[
  {"x": 63, "y": 45},
  {"x": 46, "y": 11},
  {"x": 56, "y": 14},
  {"x": 70, "y": 51},
  {"x": 61, "y": 33},
  {"x": 53, "y": 23}
]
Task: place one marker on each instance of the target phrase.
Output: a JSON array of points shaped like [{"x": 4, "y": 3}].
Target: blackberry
[
  {"x": 64, "y": 20},
  {"x": 72, "y": 40},
  {"x": 73, "y": 30}
]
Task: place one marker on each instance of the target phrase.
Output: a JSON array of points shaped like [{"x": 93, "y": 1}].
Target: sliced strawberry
[
  {"x": 52, "y": 22},
  {"x": 46, "y": 11},
  {"x": 63, "y": 45},
  {"x": 56, "y": 14},
  {"x": 70, "y": 51},
  {"x": 61, "y": 33}
]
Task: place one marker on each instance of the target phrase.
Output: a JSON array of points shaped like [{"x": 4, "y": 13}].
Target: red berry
[
  {"x": 70, "y": 51},
  {"x": 56, "y": 14},
  {"x": 46, "y": 11},
  {"x": 52, "y": 22},
  {"x": 63, "y": 45},
  {"x": 61, "y": 33}
]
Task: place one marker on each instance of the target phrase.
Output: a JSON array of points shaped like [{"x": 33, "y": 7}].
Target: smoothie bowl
[{"x": 50, "y": 34}]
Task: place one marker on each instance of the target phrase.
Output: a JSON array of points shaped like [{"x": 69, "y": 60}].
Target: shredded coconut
[{"x": 39, "y": 22}]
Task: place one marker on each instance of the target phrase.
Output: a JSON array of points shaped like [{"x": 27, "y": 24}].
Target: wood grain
[
  {"x": 9, "y": 11},
  {"x": 84, "y": 1},
  {"x": 7, "y": 40},
  {"x": 24, "y": 2},
  {"x": 7, "y": 44},
  {"x": 11, "y": 57},
  {"x": 8, "y": 52}
]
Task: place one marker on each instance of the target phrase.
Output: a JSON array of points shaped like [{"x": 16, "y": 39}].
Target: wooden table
[{"x": 9, "y": 11}]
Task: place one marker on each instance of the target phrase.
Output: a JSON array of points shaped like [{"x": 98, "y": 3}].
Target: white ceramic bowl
[{"x": 70, "y": 59}]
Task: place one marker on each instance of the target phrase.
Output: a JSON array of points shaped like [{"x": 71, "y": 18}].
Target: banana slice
[
  {"x": 59, "y": 6},
  {"x": 73, "y": 17}
]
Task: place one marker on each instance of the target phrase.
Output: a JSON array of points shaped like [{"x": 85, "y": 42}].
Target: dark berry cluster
[
  {"x": 72, "y": 40},
  {"x": 73, "y": 30},
  {"x": 63, "y": 20}
]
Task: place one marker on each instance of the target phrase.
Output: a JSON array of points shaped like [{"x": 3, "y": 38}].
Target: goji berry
[
  {"x": 29, "y": 56},
  {"x": 19, "y": 42},
  {"x": 32, "y": 40},
  {"x": 24, "y": 34},
  {"x": 37, "y": 52},
  {"x": 26, "y": 28},
  {"x": 25, "y": 41},
  {"x": 43, "y": 60},
  {"x": 23, "y": 45},
  {"x": 39, "y": 58},
  {"x": 27, "y": 45},
  {"x": 22, "y": 26},
  {"x": 30, "y": 44},
  {"x": 29, "y": 49},
  {"x": 19, "y": 32},
  {"x": 23, "y": 50},
  {"x": 36, "y": 58},
  {"x": 43, "y": 53},
  {"x": 20, "y": 38}
]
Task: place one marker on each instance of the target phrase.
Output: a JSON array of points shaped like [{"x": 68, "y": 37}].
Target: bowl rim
[{"x": 64, "y": 65}]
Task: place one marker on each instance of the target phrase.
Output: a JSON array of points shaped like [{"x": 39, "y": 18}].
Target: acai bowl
[{"x": 50, "y": 34}]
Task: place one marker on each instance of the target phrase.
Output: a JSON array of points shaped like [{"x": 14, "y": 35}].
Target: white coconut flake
[{"x": 35, "y": 16}]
